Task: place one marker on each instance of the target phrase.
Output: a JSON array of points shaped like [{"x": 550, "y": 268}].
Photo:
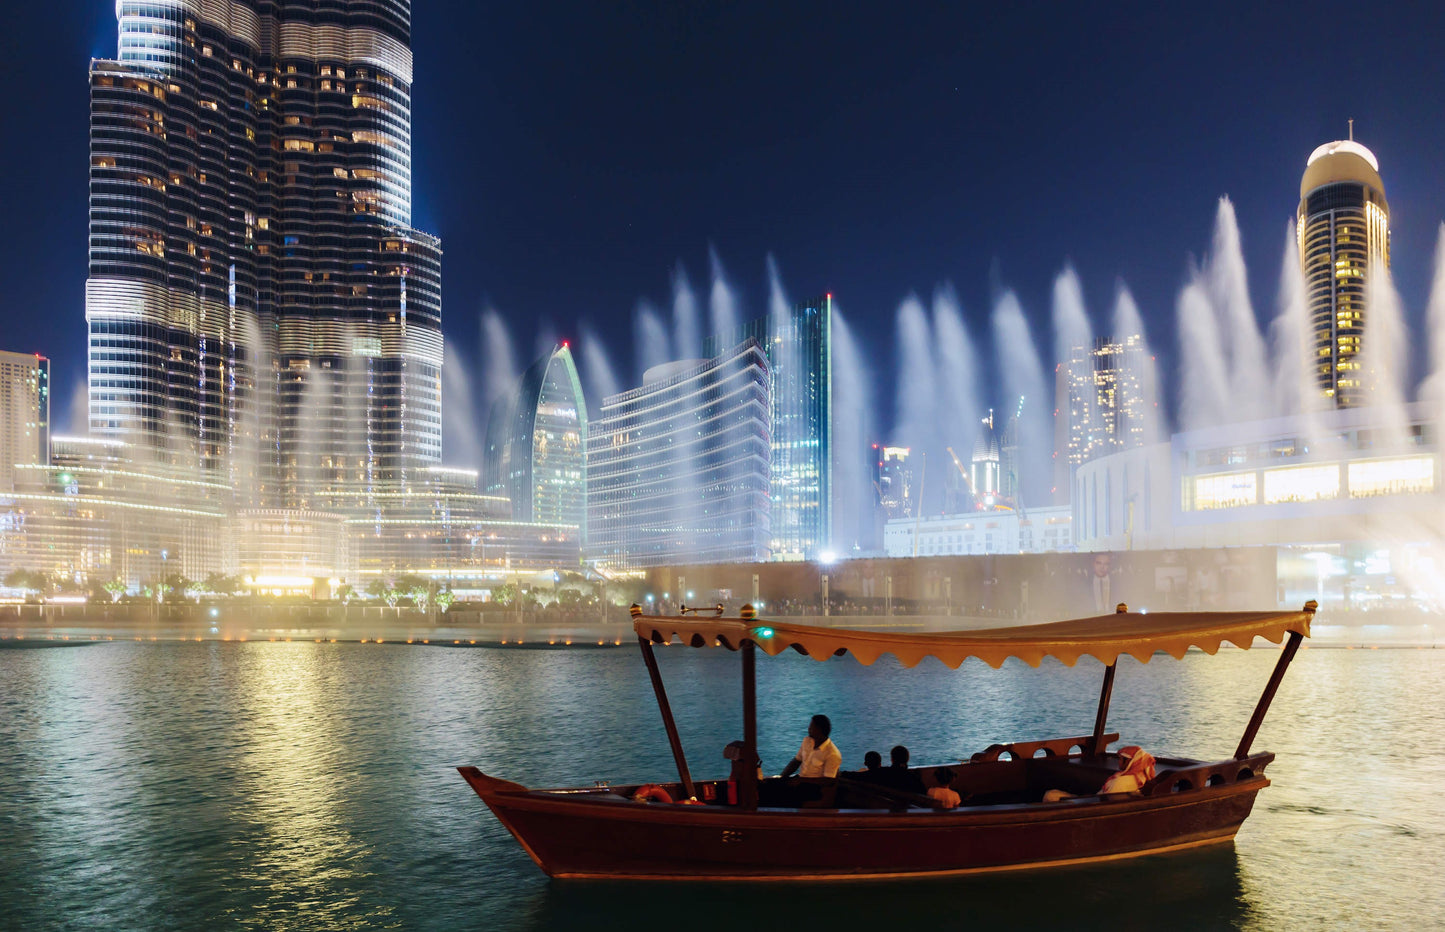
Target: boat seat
[{"x": 854, "y": 793}]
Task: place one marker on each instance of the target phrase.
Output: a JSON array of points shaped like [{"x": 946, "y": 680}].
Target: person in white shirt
[{"x": 818, "y": 756}]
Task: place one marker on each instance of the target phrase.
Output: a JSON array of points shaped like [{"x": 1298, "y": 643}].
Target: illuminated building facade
[
  {"x": 893, "y": 482},
  {"x": 1263, "y": 482},
  {"x": 257, "y": 301},
  {"x": 24, "y": 413},
  {"x": 799, "y": 349},
  {"x": 89, "y": 515},
  {"x": 985, "y": 466},
  {"x": 1103, "y": 403},
  {"x": 1343, "y": 227},
  {"x": 1041, "y": 530},
  {"x": 679, "y": 470},
  {"x": 536, "y": 452}
]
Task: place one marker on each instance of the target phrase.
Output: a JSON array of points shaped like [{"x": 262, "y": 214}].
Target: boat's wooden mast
[
  {"x": 1257, "y": 719},
  {"x": 748, "y": 786},
  {"x": 667, "y": 721}
]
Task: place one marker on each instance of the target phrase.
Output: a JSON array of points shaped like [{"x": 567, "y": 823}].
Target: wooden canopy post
[
  {"x": 748, "y": 784},
  {"x": 1270, "y": 688},
  {"x": 1106, "y": 691},
  {"x": 667, "y": 721}
]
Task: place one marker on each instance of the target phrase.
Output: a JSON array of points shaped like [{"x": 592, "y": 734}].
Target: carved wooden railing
[{"x": 1025, "y": 750}]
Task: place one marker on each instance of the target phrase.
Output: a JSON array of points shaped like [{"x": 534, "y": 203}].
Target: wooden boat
[{"x": 747, "y": 828}]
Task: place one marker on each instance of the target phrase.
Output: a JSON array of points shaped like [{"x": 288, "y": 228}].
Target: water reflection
[
  {"x": 295, "y": 851},
  {"x": 305, "y": 785}
]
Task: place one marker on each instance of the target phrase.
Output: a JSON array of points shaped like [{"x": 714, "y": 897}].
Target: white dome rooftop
[{"x": 1344, "y": 145}]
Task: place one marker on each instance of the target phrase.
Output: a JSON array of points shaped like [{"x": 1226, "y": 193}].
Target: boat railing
[
  {"x": 1197, "y": 776},
  {"x": 1027, "y": 750}
]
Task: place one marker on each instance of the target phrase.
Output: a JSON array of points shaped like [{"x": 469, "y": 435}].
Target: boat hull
[{"x": 601, "y": 835}]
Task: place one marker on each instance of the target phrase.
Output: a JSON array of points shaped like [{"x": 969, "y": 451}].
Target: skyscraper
[
  {"x": 1104, "y": 397},
  {"x": 24, "y": 413},
  {"x": 536, "y": 451},
  {"x": 1344, "y": 236},
  {"x": 678, "y": 472},
  {"x": 799, "y": 349},
  {"x": 257, "y": 300}
]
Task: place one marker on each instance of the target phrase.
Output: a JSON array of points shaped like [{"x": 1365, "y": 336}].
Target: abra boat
[{"x": 752, "y": 829}]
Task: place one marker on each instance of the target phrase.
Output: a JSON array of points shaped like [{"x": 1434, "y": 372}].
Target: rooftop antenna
[{"x": 1352, "y": 131}]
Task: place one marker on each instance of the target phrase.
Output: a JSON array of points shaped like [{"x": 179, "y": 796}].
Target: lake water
[{"x": 311, "y": 786}]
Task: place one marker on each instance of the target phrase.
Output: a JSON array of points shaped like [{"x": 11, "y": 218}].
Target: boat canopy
[{"x": 1105, "y": 637}]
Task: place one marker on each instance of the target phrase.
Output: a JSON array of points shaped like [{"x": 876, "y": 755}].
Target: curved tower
[
  {"x": 1343, "y": 227},
  {"x": 536, "y": 452}
]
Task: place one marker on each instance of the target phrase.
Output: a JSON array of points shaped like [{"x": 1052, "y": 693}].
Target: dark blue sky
[{"x": 569, "y": 155}]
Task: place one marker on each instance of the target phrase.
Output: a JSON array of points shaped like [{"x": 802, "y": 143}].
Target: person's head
[
  {"x": 944, "y": 776},
  {"x": 820, "y": 728},
  {"x": 899, "y": 756},
  {"x": 1103, "y": 563},
  {"x": 872, "y": 760}
]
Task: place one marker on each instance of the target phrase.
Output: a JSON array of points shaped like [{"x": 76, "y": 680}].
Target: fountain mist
[{"x": 1025, "y": 397}]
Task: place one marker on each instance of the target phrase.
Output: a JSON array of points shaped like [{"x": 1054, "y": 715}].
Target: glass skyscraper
[
  {"x": 536, "y": 451},
  {"x": 799, "y": 350},
  {"x": 1344, "y": 235},
  {"x": 258, "y": 303}
]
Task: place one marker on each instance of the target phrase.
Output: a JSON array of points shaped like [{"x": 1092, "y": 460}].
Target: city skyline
[{"x": 1082, "y": 187}]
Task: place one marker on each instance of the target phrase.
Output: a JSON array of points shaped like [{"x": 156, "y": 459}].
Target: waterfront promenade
[{"x": 543, "y": 630}]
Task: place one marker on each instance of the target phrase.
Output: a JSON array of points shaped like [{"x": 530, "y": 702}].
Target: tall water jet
[
  {"x": 956, "y": 366},
  {"x": 1432, "y": 390},
  {"x": 546, "y": 339},
  {"x": 852, "y": 426},
  {"x": 685, "y": 328},
  {"x": 597, "y": 372},
  {"x": 723, "y": 316},
  {"x": 1127, "y": 323},
  {"x": 1384, "y": 357},
  {"x": 1242, "y": 343},
  {"x": 499, "y": 359},
  {"x": 1295, "y": 390},
  {"x": 1026, "y": 403},
  {"x": 1071, "y": 321},
  {"x": 1204, "y": 382},
  {"x": 917, "y": 389},
  {"x": 653, "y": 345},
  {"x": 462, "y": 445}
]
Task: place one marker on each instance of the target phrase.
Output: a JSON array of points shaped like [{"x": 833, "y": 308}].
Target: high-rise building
[
  {"x": 536, "y": 452},
  {"x": 985, "y": 467},
  {"x": 679, "y": 469},
  {"x": 799, "y": 349},
  {"x": 257, "y": 300},
  {"x": 1104, "y": 397},
  {"x": 893, "y": 482},
  {"x": 24, "y": 413},
  {"x": 1343, "y": 227}
]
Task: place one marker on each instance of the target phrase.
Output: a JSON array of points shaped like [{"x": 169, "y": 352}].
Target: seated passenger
[
  {"x": 898, "y": 776},
  {"x": 872, "y": 763},
  {"x": 944, "y": 793},
  {"x": 1136, "y": 768},
  {"x": 817, "y": 756}
]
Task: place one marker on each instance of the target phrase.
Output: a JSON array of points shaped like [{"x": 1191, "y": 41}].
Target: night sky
[{"x": 571, "y": 155}]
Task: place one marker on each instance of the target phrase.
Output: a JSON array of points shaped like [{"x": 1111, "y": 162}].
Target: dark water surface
[{"x": 310, "y": 786}]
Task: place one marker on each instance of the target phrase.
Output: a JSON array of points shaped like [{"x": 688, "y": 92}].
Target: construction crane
[{"x": 961, "y": 471}]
